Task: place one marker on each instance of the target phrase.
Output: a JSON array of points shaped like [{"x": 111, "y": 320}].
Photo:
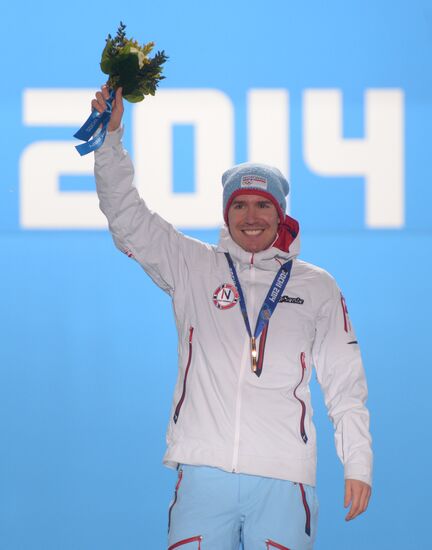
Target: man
[{"x": 258, "y": 319}]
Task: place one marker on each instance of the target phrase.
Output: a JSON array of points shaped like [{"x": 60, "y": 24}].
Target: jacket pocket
[
  {"x": 273, "y": 544},
  {"x": 177, "y": 487},
  {"x": 307, "y": 510},
  {"x": 183, "y": 542},
  {"x": 302, "y": 403},
  {"x": 183, "y": 395}
]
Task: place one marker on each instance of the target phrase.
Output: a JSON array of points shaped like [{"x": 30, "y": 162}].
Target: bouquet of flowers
[{"x": 129, "y": 66}]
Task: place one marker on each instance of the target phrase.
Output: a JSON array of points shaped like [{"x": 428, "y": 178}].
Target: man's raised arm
[{"x": 141, "y": 234}]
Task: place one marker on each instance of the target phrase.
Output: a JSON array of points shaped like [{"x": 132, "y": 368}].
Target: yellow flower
[{"x": 141, "y": 56}]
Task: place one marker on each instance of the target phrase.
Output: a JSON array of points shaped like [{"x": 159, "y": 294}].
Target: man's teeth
[{"x": 252, "y": 232}]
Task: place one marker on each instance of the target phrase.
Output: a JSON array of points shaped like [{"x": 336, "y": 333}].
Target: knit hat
[{"x": 253, "y": 178}]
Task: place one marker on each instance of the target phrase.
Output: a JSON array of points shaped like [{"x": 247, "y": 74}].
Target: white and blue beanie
[{"x": 253, "y": 178}]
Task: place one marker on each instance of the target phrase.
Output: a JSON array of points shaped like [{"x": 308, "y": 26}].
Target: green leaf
[
  {"x": 134, "y": 97},
  {"x": 105, "y": 63}
]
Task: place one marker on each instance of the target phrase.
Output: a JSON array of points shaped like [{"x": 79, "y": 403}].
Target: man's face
[{"x": 253, "y": 222}]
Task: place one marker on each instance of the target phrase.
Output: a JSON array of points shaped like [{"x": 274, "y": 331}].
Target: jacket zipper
[
  {"x": 302, "y": 403},
  {"x": 177, "y": 487},
  {"x": 307, "y": 510},
  {"x": 273, "y": 544},
  {"x": 183, "y": 395},
  {"x": 187, "y": 541},
  {"x": 245, "y": 363}
]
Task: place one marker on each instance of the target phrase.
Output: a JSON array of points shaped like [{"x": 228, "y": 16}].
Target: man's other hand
[{"x": 357, "y": 493}]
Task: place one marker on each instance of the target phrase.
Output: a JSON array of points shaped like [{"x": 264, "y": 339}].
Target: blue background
[{"x": 88, "y": 345}]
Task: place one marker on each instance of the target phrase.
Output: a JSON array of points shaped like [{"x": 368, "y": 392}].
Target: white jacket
[{"x": 223, "y": 414}]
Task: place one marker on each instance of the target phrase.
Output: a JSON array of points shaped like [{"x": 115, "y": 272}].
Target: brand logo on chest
[
  {"x": 225, "y": 296},
  {"x": 290, "y": 300}
]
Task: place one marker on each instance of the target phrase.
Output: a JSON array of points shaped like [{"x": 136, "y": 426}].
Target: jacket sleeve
[
  {"x": 138, "y": 232},
  {"x": 339, "y": 368}
]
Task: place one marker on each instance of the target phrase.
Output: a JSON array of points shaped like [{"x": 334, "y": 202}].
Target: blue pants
[{"x": 217, "y": 510}]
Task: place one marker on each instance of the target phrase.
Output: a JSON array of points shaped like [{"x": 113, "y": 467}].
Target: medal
[
  {"x": 254, "y": 354},
  {"x": 267, "y": 309}
]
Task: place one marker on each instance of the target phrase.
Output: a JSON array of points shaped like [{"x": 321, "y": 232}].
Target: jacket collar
[{"x": 286, "y": 246}]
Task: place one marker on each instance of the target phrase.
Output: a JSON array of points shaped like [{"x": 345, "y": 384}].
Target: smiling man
[
  {"x": 253, "y": 222},
  {"x": 241, "y": 433}
]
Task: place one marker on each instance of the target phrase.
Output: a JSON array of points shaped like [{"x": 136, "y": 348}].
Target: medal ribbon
[
  {"x": 89, "y": 128},
  {"x": 268, "y": 307}
]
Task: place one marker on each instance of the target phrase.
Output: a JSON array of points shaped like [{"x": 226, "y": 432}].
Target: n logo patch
[{"x": 225, "y": 296}]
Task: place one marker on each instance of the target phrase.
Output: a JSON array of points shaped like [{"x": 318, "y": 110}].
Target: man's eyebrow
[{"x": 240, "y": 200}]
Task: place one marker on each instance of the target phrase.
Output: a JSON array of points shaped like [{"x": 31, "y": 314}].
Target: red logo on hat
[
  {"x": 225, "y": 296},
  {"x": 253, "y": 180}
]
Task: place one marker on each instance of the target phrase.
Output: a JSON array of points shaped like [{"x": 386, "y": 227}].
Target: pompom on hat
[{"x": 253, "y": 178}]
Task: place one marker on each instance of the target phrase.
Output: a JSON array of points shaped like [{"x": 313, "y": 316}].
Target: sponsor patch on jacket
[
  {"x": 225, "y": 296},
  {"x": 291, "y": 300},
  {"x": 254, "y": 181}
]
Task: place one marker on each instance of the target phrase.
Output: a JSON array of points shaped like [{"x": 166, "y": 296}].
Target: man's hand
[
  {"x": 117, "y": 108},
  {"x": 357, "y": 493}
]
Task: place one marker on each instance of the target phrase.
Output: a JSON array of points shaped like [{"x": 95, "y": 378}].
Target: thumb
[
  {"x": 119, "y": 95},
  {"x": 117, "y": 111},
  {"x": 119, "y": 98}
]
